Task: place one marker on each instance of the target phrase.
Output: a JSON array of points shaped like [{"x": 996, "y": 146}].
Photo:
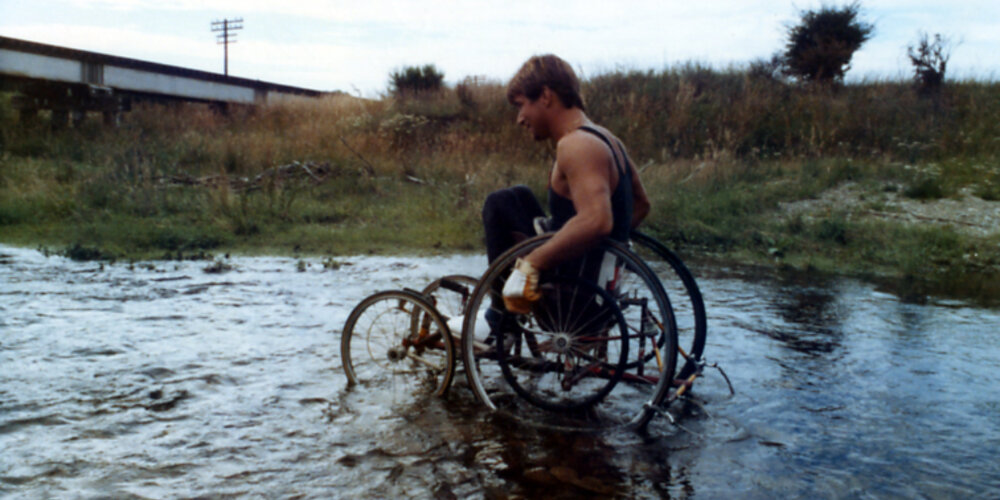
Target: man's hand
[{"x": 521, "y": 289}]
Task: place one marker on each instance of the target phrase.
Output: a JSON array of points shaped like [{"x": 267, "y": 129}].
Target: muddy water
[{"x": 160, "y": 380}]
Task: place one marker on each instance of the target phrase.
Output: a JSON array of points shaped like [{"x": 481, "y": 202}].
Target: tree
[
  {"x": 413, "y": 80},
  {"x": 930, "y": 60},
  {"x": 821, "y": 46}
]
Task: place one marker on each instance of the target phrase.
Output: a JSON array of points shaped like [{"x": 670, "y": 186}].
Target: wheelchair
[{"x": 604, "y": 347}]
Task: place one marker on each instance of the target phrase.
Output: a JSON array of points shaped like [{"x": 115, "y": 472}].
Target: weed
[
  {"x": 795, "y": 225},
  {"x": 218, "y": 267},
  {"x": 79, "y": 252},
  {"x": 988, "y": 187},
  {"x": 332, "y": 264},
  {"x": 988, "y": 192},
  {"x": 832, "y": 230},
  {"x": 926, "y": 187},
  {"x": 719, "y": 149}
]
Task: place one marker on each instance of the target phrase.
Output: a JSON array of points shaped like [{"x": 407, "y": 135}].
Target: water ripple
[{"x": 161, "y": 380}]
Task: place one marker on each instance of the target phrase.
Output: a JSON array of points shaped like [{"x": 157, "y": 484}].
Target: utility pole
[{"x": 226, "y": 38}]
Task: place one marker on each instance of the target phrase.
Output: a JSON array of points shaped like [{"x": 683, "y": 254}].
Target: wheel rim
[
  {"x": 626, "y": 406},
  {"x": 381, "y": 350},
  {"x": 566, "y": 366}
]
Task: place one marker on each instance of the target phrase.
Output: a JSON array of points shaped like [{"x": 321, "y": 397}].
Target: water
[{"x": 161, "y": 380}]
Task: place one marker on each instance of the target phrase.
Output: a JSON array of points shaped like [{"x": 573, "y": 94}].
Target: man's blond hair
[{"x": 544, "y": 71}]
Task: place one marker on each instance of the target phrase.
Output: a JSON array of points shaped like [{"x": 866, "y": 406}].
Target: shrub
[
  {"x": 821, "y": 46},
  {"x": 83, "y": 253},
  {"x": 833, "y": 229},
  {"x": 989, "y": 189},
  {"x": 413, "y": 80},
  {"x": 925, "y": 187},
  {"x": 930, "y": 61}
]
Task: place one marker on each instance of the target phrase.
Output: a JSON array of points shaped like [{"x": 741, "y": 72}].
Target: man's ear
[{"x": 547, "y": 97}]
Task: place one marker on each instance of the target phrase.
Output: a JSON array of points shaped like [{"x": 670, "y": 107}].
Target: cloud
[
  {"x": 109, "y": 40},
  {"x": 337, "y": 44}
]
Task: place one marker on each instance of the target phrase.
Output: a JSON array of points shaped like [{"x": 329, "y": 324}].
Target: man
[{"x": 594, "y": 190}]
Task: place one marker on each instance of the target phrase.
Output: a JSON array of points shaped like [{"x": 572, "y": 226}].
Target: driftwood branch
[
  {"x": 911, "y": 215},
  {"x": 369, "y": 169},
  {"x": 314, "y": 172}
]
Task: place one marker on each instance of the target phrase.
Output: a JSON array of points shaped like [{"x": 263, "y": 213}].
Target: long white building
[{"x": 70, "y": 82}]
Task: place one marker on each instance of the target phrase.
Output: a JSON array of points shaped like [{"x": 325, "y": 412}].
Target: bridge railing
[{"x": 71, "y": 82}]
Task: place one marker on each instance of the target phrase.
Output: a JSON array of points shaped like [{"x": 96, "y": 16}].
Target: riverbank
[
  {"x": 866, "y": 180},
  {"x": 948, "y": 247}
]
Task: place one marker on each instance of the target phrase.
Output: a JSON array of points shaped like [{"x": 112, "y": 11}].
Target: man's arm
[{"x": 584, "y": 163}]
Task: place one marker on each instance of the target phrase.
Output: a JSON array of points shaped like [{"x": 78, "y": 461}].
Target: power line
[{"x": 226, "y": 38}]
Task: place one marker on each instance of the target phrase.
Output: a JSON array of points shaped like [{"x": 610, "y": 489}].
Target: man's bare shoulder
[{"x": 580, "y": 147}]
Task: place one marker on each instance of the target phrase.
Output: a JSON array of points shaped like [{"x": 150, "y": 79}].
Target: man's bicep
[
  {"x": 585, "y": 166},
  {"x": 590, "y": 191}
]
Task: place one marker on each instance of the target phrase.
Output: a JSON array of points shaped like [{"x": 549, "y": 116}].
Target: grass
[{"x": 719, "y": 152}]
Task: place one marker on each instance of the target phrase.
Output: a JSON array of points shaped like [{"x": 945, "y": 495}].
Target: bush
[
  {"x": 821, "y": 46},
  {"x": 989, "y": 189},
  {"x": 833, "y": 230},
  {"x": 930, "y": 61},
  {"x": 927, "y": 187},
  {"x": 413, "y": 80},
  {"x": 83, "y": 253}
]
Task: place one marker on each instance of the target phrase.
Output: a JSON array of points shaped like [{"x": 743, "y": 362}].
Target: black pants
[{"x": 508, "y": 218}]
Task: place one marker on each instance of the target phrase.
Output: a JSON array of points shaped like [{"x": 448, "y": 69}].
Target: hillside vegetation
[{"x": 721, "y": 152}]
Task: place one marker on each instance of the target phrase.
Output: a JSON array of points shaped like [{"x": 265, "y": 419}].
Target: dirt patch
[{"x": 964, "y": 212}]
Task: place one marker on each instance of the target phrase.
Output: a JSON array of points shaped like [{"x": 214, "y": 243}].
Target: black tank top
[{"x": 562, "y": 208}]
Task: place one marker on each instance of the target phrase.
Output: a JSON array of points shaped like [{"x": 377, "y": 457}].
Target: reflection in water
[
  {"x": 811, "y": 316},
  {"x": 166, "y": 381}
]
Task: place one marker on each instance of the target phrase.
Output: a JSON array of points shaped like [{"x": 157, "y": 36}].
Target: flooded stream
[{"x": 161, "y": 380}]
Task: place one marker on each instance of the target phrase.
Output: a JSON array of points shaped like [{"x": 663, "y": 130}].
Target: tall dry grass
[
  {"x": 697, "y": 112},
  {"x": 718, "y": 149},
  {"x": 689, "y": 112}
]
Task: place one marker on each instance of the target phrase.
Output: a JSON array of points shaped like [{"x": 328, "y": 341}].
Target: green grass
[{"x": 720, "y": 151}]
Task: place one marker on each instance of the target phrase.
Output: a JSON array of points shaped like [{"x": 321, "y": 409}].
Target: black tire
[
  {"x": 570, "y": 351},
  {"x": 628, "y": 403},
  {"x": 685, "y": 298},
  {"x": 449, "y": 295},
  {"x": 383, "y": 348}
]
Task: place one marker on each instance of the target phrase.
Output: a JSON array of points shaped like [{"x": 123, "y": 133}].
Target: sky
[{"x": 353, "y": 45}]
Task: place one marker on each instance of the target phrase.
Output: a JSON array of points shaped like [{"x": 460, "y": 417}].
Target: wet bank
[{"x": 163, "y": 380}]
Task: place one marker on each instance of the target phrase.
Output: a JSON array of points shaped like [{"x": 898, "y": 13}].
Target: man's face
[{"x": 531, "y": 115}]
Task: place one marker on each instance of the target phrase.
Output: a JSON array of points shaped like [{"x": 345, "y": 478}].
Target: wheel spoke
[
  {"x": 574, "y": 346},
  {"x": 383, "y": 348}
]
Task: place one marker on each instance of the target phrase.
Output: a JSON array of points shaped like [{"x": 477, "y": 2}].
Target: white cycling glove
[{"x": 521, "y": 289}]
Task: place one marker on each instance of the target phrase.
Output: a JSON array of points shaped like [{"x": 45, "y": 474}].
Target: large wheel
[
  {"x": 569, "y": 351},
  {"x": 384, "y": 348},
  {"x": 685, "y": 298},
  {"x": 649, "y": 346}
]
